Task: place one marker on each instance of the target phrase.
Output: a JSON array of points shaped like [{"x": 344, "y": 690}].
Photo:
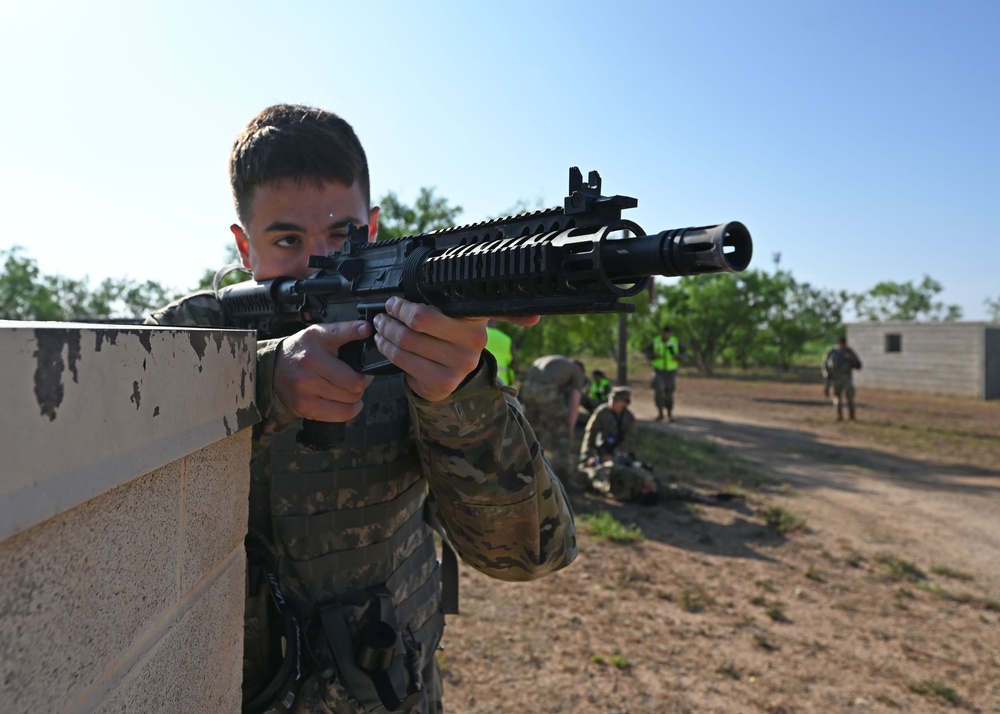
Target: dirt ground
[{"x": 887, "y": 600}]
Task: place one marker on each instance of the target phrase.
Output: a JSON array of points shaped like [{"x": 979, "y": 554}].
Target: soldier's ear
[
  {"x": 242, "y": 244},
  {"x": 373, "y": 224}
]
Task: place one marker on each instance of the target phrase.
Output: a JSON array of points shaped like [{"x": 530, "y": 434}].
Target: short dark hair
[
  {"x": 665, "y": 328},
  {"x": 297, "y": 142}
]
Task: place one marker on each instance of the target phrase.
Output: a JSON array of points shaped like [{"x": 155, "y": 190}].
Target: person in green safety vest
[
  {"x": 501, "y": 346},
  {"x": 598, "y": 391},
  {"x": 666, "y": 360}
]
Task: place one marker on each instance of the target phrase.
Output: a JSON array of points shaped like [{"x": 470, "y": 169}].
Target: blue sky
[{"x": 858, "y": 139}]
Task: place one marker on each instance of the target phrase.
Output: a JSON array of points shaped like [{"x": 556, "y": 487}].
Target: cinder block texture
[{"x": 129, "y": 599}]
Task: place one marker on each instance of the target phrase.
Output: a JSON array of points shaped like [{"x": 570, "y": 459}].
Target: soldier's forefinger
[{"x": 336, "y": 334}]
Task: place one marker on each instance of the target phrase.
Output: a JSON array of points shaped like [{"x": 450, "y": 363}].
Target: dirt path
[
  {"x": 851, "y": 482},
  {"x": 887, "y": 601}
]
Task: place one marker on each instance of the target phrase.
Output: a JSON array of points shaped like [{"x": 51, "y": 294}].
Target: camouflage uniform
[
  {"x": 608, "y": 433},
  {"x": 838, "y": 366},
  {"x": 545, "y": 394},
  {"x": 350, "y": 525},
  {"x": 612, "y": 435}
]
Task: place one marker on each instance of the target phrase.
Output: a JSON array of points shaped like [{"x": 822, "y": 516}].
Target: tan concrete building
[{"x": 957, "y": 358}]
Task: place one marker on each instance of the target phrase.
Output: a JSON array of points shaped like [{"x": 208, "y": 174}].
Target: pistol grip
[{"x": 363, "y": 356}]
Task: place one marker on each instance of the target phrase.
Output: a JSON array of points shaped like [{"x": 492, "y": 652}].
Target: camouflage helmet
[{"x": 623, "y": 394}]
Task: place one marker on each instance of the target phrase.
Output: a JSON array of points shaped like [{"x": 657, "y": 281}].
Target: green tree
[
  {"x": 791, "y": 315},
  {"x": 578, "y": 336},
  {"x": 806, "y": 315},
  {"x": 429, "y": 213},
  {"x": 993, "y": 307},
  {"x": 27, "y": 294},
  {"x": 23, "y": 293},
  {"x": 708, "y": 313},
  {"x": 904, "y": 301}
]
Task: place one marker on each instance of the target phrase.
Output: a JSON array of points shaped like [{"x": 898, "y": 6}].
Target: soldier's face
[{"x": 291, "y": 220}]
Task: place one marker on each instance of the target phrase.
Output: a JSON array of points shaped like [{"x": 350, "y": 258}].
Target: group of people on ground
[{"x": 607, "y": 463}]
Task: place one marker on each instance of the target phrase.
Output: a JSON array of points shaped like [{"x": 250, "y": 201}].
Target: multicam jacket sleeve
[{"x": 505, "y": 511}]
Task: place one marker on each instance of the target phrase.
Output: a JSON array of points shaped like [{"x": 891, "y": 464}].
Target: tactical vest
[
  {"x": 663, "y": 359},
  {"x": 355, "y": 554},
  {"x": 600, "y": 389}
]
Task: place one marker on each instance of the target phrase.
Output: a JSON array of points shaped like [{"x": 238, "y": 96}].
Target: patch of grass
[
  {"x": 696, "y": 599},
  {"x": 776, "y": 613},
  {"x": 766, "y": 585},
  {"x": 780, "y": 520},
  {"x": 935, "y": 689},
  {"x": 764, "y": 643},
  {"x": 854, "y": 560},
  {"x": 728, "y": 669},
  {"x": 701, "y": 464},
  {"x": 961, "y": 598},
  {"x": 946, "y": 572},
  {"x": 606, "y": 527},
  {"x": 900, "y": 569},
  {"x": 901, "y": 596},
  {"x": 814, "y": 574},
  {"x": 634, "y": 579},
  {"x": 617, "y": 661},
  {"x": 922, "y": 439},
  {"x": 938, "y": 591}
]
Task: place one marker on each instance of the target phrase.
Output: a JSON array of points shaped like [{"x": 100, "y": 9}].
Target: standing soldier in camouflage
[
  {"x": 343, "y": 537},
  {"x": 838, "y": 366},
  {"x": 666, "y": 362},
  {"x": 551, "y": 394}
]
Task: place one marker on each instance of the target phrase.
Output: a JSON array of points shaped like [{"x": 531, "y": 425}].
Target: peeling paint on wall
[
  {"x": 199, "y": 341},
  {"x": 247, "y": 417},
  {"x": 49, "y": 368},
  {"x": 145, "y": 338}
]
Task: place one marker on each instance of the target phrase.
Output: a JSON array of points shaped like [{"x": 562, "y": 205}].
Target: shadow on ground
[{"x": 806, "y": 461}]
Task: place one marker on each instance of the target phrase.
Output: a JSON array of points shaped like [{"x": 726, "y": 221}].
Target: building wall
[
  {"x": 991, "y": 379},
  {"x": 123, "y": 505},
  {"x": 956, "y": 358}
]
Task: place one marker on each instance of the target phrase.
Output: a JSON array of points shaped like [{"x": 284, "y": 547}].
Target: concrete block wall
[
  {"x": 955, "y": 358},
  {"x": 123, "y": 505}
]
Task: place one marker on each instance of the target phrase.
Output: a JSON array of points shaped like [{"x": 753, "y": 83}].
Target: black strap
[{"x": 449, "y": 559}]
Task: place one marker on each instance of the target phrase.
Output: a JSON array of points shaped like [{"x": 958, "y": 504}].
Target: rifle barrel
[{"x": 724, "y": 248}]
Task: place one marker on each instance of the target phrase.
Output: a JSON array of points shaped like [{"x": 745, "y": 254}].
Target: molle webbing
[
  {"x": 328, "y": 575},
  {"x": 352, "y": 519},
  {"x": 349, "y": 529}
]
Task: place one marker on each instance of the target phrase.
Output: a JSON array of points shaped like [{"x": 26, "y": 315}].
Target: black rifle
[{"x": 548, "y": 262}]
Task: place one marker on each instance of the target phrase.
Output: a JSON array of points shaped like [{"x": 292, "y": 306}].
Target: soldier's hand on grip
[{"x": 312, "y": 381}]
